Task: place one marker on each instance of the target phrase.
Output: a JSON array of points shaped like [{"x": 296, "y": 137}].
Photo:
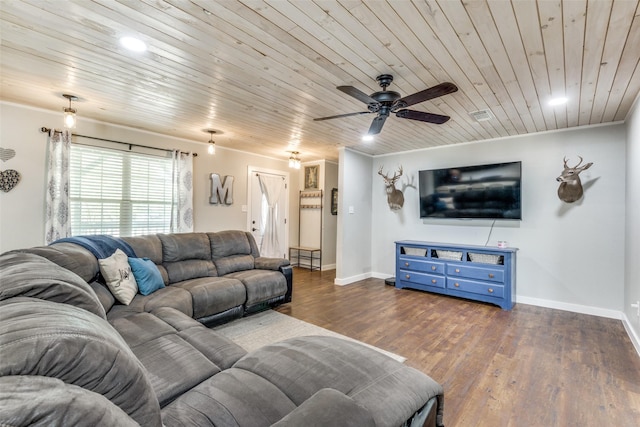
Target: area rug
[{"x": 268, "y": 327}]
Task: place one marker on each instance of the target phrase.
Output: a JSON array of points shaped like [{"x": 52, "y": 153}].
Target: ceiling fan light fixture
[{"x": 70, "y": 113}]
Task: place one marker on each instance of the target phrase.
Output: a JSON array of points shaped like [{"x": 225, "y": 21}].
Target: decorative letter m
[{"x": 221, "y": 191}]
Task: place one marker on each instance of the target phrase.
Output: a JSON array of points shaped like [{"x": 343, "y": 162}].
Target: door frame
[{"x": 251, "y": 170}]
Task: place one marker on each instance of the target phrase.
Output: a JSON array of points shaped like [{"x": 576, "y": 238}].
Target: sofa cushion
[
  {"x": 217, "y": 348},
  {"x": 170, "y": 296},
  {"x": 162, "y": 343},
  {"x": 25, "y": 274},
  {"x": 66, "y": 342},
  {"x": 149, "y": 246},
  {"x": 104, "y": 295},
  {"x": 189, "y": 269},
  {"x": 328, "y": 407},
  {"x": 389, "y": 390},
  {"x": 118, "y": 275},
  {"x": 230, "y": 242},
  {"x": 185, "y": 246},
  {"x": 231, "y": 398},
  {"x": 73, "y": 257},
  {"x": 233, "y": 263},
  {"x": 147, "y": 275},
  {"x": 261, "y": 285},
  {"x": 212, "y": 295},
  {"x": 37, "y": 400}
]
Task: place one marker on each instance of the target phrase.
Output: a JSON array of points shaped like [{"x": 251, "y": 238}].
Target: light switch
[
  {"x": 351, "y": 210},
  {"x": 244, "y": 208}
]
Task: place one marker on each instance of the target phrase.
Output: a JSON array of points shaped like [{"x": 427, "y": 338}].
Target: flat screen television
[{"x": 472, "y": 192}]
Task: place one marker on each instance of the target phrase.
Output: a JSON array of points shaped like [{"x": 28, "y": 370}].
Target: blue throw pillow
[{"x": 146, "y": 274}]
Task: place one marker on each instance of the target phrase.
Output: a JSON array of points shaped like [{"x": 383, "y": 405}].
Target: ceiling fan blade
[
  {"x": 427, "y": 94},
  {"x": 342, "y": 115},
  {"x": 357, "y": 94},
  {"x": 376, "y": 125},
  {"x": 422, "y": 116}
]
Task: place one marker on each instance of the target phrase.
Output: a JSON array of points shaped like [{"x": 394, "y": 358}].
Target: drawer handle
[
  {"x": 406, "y": 264},
  {"x": 407, "y": 277},
  {"x": 457, "y": 285},
  {"x": 457, "y": 270},
  {"x": 433, "y": 267},
  {"x": 434, "y": 281},
  {"x": 490, "y": 290},
  {"x": 491, "y": 276}
]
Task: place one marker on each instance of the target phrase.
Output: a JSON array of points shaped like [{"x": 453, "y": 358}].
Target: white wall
[
  {"x": 571, "y": 255},
  {"x": 353, "y": 249},
  {"x": 632, "y": 243},
  {"x": 22, "y": 209}
]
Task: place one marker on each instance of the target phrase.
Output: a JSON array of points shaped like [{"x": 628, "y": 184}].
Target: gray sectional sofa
[{"x": 70, "y": 354}]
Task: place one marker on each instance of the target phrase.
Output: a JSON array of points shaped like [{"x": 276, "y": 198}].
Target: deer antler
[
  {"x": 381, "y": 174},
  {"x": 579, "y": 163}
]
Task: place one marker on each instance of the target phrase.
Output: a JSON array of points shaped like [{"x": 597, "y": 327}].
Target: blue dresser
[{"x": 481, "y": 273}]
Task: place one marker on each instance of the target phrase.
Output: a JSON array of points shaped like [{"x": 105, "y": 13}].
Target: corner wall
[
  {"x": 353, "y": 248},
  {"x": 632, "y": 243},
  {"x": 570, "y": 255},
  {"x": 22, "y": 209}
]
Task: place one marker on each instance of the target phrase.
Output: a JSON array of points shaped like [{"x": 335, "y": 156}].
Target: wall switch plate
[
  {"x": 351, "y": 210},
  {"x": 244, "y": 208}
]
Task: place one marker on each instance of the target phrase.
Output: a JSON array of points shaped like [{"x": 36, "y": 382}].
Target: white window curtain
[
  {"x": 57, "y": 224},
  {"x": 182, "y": 206},
  {"x": 271, "y": 187}
]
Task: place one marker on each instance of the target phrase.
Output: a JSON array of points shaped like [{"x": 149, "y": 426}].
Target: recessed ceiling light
[
  {"x": 558, "y": 101},
  {"x": 367, "y": 138},
  {"x": 133, "y": 44}
]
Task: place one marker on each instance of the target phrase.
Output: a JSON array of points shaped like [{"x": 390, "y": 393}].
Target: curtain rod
[{"x": 47, "y": 130}]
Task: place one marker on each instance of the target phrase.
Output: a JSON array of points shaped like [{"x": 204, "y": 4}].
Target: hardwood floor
[{"x": 531, "y": 366}]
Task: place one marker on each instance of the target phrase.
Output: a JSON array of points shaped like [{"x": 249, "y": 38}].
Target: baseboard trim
[
  {"x": 328, "y": 267},
  {"x": 635, "y": 339},
  {"x": 575, "y": 308},
  {"x": 352, "y": 279}
]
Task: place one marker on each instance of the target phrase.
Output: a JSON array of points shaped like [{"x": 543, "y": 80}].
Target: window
[{"x": 119, "y": 193}]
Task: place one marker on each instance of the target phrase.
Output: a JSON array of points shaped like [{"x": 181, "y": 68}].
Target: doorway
[{"x": 261, "y": 216}]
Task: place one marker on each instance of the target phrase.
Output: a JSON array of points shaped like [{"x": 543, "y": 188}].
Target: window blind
[{"x": 118, "y": 193}]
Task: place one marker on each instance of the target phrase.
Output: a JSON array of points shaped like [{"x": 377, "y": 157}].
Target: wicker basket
[
  {"x": 484, "y": 258},
  {"x": 414, "y": 251},
  {"x": 453, "y": 255}
]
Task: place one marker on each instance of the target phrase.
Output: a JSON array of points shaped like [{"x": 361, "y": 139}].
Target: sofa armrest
[
  {"x": 267, "y": 263},
  {"x": 287, "y": 270},
  {"x": 328, "y": 407}
]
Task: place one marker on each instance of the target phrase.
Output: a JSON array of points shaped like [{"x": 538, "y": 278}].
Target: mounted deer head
[
  {"x": 570, "y": 189},
  {"x": 395, "y": 198}
]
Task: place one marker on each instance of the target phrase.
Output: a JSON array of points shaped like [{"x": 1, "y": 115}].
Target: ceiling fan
[{"x": 386, "y": 102}]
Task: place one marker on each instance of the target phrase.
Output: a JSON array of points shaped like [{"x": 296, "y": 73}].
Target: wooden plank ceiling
[{"x": 260, "y": 71}]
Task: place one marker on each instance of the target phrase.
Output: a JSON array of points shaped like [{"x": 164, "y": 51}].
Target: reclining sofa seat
[{"x": 64, "y": 362}]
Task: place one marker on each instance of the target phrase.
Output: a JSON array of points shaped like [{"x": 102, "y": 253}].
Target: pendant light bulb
[
  {"x": 70, "y": 113},
  {"x": 294, "y": 161},
  {"x": 212, "y": 144}
]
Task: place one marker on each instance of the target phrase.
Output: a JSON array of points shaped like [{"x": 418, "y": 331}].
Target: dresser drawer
[
  {"x": 474, "y": 287},
  {"x": 422, "y": 278},
  {"x": 493, "y": 274},
  {"x": 407, "y": 263}
]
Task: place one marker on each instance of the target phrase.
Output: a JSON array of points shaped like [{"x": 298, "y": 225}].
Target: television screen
[{"x": 482, "y": 191}]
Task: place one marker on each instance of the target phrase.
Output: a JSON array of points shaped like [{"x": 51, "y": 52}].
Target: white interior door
[{"x": 258, "y": 209}]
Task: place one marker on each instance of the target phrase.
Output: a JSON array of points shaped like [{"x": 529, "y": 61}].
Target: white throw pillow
[{"x": 119, "y": 277}]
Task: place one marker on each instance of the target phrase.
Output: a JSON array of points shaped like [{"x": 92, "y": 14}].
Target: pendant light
[
  {"x": 212, "y": 144},
  {"x": 70, "y": 113},
  {"x": 294, "y": 161}
]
